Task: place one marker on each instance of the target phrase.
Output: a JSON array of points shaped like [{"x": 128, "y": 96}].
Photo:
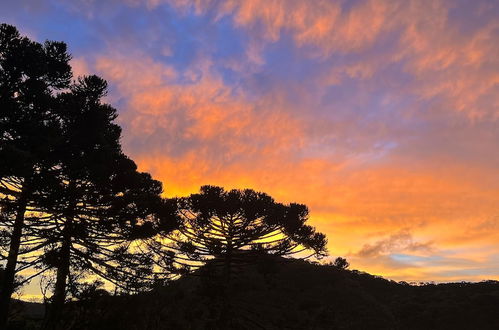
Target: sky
[{"x": 381, "y": 116}]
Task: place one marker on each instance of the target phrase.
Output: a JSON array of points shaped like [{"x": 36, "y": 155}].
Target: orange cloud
[
  {"x": 232, "y": 142},
  {"x": 398, "y": 166},
  {"x": 357, "y": 210}
]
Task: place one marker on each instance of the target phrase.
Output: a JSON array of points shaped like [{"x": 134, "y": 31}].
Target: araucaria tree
[
  {"x": 30, "y": 73},
  {"x": 99, "y": 203},
  {"x": 227, "y": 227}
]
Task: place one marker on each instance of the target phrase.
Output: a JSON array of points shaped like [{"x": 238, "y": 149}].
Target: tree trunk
[
  {"x": 10, "y": 268},
  {"x": 227, "y": 312},
  {"x": 228, "y": 262},
  {"x": 55, "y": 310}
]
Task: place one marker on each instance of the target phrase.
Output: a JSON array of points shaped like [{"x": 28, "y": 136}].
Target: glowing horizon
[{"x": 381, "y": 116}]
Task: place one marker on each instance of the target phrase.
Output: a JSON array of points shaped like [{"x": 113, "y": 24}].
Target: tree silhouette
[
  {"x": 228, "y": 227},
  {"x": 341, "y": 263},
  {"x": 222, "y": 232},
  {"x": 71, "y": 201},
  {"x": 29, "y": 75},
  {"x": 100, "y": 203}
]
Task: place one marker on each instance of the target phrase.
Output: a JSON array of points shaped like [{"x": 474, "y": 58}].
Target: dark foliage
[
  {"x": 30, "y": 73},
  {"x": 98, "y": 203},
  {"x": 228, "y": 227},
  {"x": 341, "y": 263}
]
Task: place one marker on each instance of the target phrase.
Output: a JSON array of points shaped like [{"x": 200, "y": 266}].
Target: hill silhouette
[{"x": 279, "y": 293}]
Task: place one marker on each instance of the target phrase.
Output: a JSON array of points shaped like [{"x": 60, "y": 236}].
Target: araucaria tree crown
[{"x": 230, "y": 226}]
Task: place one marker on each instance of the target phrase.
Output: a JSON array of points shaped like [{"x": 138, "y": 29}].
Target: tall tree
[
  {"x": 227, "y": 226},
  {"x": 101, "y": 204},
  {"x": 30, "y": 73}
]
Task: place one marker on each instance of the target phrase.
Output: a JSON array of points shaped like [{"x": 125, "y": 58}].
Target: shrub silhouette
[{"x": 341, "y": 263}]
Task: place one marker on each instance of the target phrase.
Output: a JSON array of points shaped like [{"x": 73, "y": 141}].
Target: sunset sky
[{"x": 381, "y": 116}]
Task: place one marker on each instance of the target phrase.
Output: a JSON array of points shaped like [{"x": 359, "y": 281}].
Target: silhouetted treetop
[
  {"x": 26, "y": 63},
  {"x": 220, "y": 224},
  {"x": 341, "y": 263}
]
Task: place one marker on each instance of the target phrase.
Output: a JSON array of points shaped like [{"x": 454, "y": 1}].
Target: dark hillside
[{"x": 290, "y": 294}]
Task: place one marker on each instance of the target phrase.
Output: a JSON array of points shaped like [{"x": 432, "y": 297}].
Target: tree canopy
[
  {"x": 229, "y": 226},
  {"x": 99, "y": 203}
]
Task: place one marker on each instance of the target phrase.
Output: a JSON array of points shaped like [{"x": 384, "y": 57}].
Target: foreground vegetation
[{"x": 277, "y": 293}]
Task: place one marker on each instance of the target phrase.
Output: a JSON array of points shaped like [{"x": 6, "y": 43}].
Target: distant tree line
[{"x": 72, "y": 204}]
